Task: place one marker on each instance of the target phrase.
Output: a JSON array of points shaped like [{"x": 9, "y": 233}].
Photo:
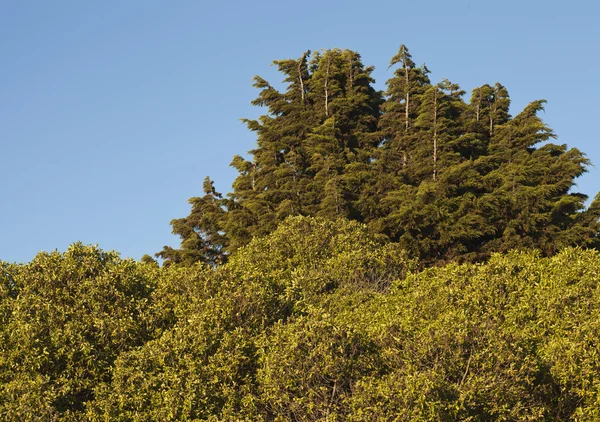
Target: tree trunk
[
  {"x": 327, "y": 87},
  {"x": 435, "y": 111},
  {"x": 300, "y": 77},
  {"x": 407, "y": 95}
]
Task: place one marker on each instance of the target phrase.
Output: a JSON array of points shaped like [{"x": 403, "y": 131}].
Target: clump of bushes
[{"x": 317, "y": 321}]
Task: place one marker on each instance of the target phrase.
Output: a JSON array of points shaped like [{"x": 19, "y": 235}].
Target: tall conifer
[{"x": 444, "y": 178}]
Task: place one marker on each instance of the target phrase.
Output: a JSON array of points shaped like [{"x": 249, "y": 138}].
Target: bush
[{"x": 317, "y": 321}]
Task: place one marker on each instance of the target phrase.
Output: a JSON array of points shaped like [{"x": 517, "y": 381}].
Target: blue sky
[{"x": 113, "y": 112}]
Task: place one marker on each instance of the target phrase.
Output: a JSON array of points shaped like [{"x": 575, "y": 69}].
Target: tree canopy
[{"x": 446, "y": 178}]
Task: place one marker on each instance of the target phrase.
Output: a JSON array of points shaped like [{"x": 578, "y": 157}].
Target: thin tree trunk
[
  {"x": 492, "y": 111},
  {"x": 435, "y": 134},
  {"x": 327, "y": 86},
  {"x": 407, "y": 95},
  {"x": 300, "y": 77}
]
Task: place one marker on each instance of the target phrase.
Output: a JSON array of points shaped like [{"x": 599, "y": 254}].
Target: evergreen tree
[
  {"x": 439, "y": 129},
  {"x": 202, "y": 238},
  {"x": 532, "y": 186},
  {"x": 271, "y": 186},
  {"x": 341, "y": 146},
  {"x": 444, "y": 178},
  {"x": 403, "y": 100}
]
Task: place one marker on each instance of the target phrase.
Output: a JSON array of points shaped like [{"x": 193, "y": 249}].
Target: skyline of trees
[{"x": 445, "y": 178}]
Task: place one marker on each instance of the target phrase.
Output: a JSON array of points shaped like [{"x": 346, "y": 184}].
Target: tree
[
  {"x": 532, "y": 187},
  {"x": 202, "y": 238},
  {"x": 445, "y": 178},
  {"x": 403, "y": 100}
]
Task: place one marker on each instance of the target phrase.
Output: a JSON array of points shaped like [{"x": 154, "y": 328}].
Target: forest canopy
[
  {"x": 398, "y": 255},
  {"x": 446, "y": 178}
]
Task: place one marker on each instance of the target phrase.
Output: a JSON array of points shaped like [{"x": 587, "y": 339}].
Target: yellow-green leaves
[{"x": 317, "y": 321}]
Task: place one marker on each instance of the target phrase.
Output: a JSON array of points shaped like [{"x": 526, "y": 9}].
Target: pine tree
[
  {"x": 532, "y": 187},
  {"x": 446, "y": 179},
  {"x": 403, "y": 100},
  {"x": 270, "y": 187},
  {"x": 341, "y": 147},
  {"x": 322, "y": 123},
  {"x": 202, "y": 238},
  {"x": 439, "y": 128}
]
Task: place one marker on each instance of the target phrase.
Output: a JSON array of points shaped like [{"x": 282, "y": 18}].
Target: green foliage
[
  {"x": 309, "y": 366},
  {"x": 202, "y": 239},
  {"x": 445, "y": 178},
  {"x": 321, "y": 320},
  {"x": 320, "y": 289},
  {"x": 66, "y": 318},
  {"x": 221, "y": 318}
]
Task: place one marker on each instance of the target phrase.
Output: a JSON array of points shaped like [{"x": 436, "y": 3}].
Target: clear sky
[{"x": 112, "y": 112}]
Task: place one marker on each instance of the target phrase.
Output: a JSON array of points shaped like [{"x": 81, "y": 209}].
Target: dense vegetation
[
  {"x": 317, "y": 321},
  {"x": 446, "y": 179},
  {"x": 401, "y": 256}
]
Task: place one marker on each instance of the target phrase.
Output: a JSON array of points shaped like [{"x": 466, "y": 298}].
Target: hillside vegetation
[
  {"x": 318, "y": 321},
  {"x": 383, "y": 256}
]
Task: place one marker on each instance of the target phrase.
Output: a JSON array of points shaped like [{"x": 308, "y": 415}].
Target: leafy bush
[
  {"x": 317, "y": 321},
  {"x": 70, "y": 316}
]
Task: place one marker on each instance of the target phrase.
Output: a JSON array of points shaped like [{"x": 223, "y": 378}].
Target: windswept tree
[{"x": 446, "y": 178}]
